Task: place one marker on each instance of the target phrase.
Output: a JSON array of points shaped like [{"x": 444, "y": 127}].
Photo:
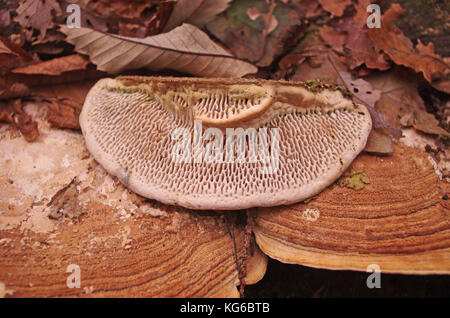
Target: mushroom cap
[{"x": 128, "y": 123}]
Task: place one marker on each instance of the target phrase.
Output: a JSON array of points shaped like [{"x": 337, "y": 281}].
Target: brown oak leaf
[{"x": 400, "y": 49}]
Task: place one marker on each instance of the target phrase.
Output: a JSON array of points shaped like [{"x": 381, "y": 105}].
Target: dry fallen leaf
[
  {"x": 379, "y": 143},
  {"x": 313, "y": 59},
  {"x": 270, "y": 21},
  {"x": 108, "y": 9},
  {"x": 335, "y": 7},
  {"x": 64, "y": 113},
  {"x": 332, "y": 37},
  {"x": 361, "y": 50},
  {"x": 358, "y": 48},
  {"x": 13, "y": 90},
  {"x": 63, "y": 102},
  {"x": 93, "y": 13},
  {"x": 5, "y": 17},
  {"x": 250, "y": 38},
  {"x": 185, "y": 49},
  {"x": 5, "y": 50},
  {"x": 37, "y": 14},
  {"x": 12, "y": 55},
  {"x": 310, "y": 9},
  {"x": 394, "y": 43},
  {"x": 55, "y": 66},
  {"x": 427, "y": 123},
  {"x": 13, "y": 113},
  {"x": 364, "y": 93},
  {"x": 399, "y": 97},
  {"x": 196, "y": 12}
]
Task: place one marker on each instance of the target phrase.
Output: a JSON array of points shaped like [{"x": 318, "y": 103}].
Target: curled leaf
[
  {"x": 55, "y": 66},
  {"x": 185, "y": 49}
]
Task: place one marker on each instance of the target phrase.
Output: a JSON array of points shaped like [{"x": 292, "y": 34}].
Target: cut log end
[{"x": 398, "y": 220}]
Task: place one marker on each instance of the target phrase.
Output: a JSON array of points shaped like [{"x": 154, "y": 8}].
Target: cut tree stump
[
  {"x": 399, "y": 221},
  {"x": 60, "y": 210}
]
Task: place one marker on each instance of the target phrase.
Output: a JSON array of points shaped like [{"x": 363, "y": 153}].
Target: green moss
[
  {"x": 128, "y": 89},
  {"x": 317, "y": 85},
  {"x": 356, "y": 179}
]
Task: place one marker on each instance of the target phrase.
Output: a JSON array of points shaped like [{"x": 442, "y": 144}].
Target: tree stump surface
[
  {"x": 399, "y": 221},
  {"x": 59, "y": 207}
]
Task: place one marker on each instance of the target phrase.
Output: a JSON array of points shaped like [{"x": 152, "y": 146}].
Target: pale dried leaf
[
  {"x": 379, "y": 143},
  {"x": 364, "y": 93},
  {"x": 185, "y": 49}
]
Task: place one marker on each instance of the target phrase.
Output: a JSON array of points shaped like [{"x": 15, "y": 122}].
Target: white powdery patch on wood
[{"x": 33, "y": 173}]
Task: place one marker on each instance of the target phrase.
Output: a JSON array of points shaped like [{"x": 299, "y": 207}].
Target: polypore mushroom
[{"x": 219, "y": 143}]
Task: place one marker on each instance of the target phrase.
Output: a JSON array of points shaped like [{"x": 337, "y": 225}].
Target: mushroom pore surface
[{"x": 308, "y": 138}]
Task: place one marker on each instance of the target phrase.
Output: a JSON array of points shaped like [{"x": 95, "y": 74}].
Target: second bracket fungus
[{"x": 222, "y": 144}]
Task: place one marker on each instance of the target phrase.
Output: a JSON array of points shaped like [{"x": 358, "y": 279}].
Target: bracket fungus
[{"x": 242, "y": 142}]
